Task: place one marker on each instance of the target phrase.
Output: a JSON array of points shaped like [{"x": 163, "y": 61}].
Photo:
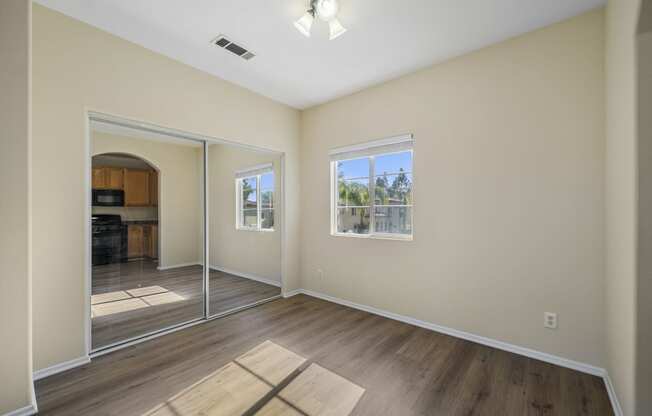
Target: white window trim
[
  {"x": 254, "y": 172},
  {"x": 398, "y": 144}
]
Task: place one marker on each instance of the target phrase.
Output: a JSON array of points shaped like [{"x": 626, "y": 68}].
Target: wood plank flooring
[
  {"x": 118, "y": 319},
  {"x": 405, "y": 370}
]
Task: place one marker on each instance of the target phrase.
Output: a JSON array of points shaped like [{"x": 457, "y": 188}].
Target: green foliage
[
  {"x": 247, "y": 189},
  {"x": 381, "y": 190},
  {"x": 355, "y": 193},
  {"x": 400, "y": 191}
]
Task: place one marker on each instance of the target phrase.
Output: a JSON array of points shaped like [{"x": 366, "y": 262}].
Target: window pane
[
  {"x": 353, "y": 220},
  {"x": 393, "y": 189},
  {"x": 267, "y": 218},
  {"x": 353, "y": 193},
  {"x": 267, "y": 190},
  {"x": 394, "y": 163},
  {"x": 393, "y": 220},
  {"x": 248, "y": 187},
  {"x": 355, "y": 168},
  {"x": 267, "y": 181},
  {"x": 249, "y": 218},
  {"x": 267, "y": 199}
]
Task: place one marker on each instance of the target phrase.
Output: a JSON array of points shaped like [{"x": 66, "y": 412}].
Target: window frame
[
  {"x": 371, "y": 148},
  {"x": 256, "y": 172}
]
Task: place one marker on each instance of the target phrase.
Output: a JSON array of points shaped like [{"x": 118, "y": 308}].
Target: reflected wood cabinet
[
  {"x": 140, "y": 186},
  {"x": 115, "y": 178},
  {"x": 152, "y": 242},
  {"x": 135, "y": 241},
  {"x": 136, "y": 186},
  {"x": 153, "y": 188},
  {"x": 108, "y": 178},
  {"x": 99, "y": 178},
  {"x": 142, "y": 241}
]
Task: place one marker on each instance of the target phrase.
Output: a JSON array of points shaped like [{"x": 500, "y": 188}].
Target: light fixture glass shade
[
  {"x": 336, "y": 28},
  {"x": 327, "y": 9},
  {"x": 304, "y": 24}
]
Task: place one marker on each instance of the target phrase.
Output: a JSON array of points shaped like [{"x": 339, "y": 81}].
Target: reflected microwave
[{"x": 108, "y": 198}]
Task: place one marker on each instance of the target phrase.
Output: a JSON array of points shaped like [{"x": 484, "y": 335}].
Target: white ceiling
[{"x": 386, "y": 38}]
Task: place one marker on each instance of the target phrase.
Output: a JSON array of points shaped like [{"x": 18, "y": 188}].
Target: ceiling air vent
[{"x": 225, "y": 43}]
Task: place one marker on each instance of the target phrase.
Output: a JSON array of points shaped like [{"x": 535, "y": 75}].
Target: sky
[
  {"x": 266, "y": 184},
  {"x": 267, "y": 181},
  {"x": 391, "y": 163}
]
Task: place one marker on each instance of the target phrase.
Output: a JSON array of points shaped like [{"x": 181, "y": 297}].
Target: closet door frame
[{"x": 95, "y": 116}]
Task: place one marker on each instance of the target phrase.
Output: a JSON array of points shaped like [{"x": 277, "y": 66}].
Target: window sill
[
  {"x": 261, "y": 230},
  {"x": 398, "y": 237}
]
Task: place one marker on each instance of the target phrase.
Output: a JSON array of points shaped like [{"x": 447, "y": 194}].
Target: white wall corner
[{"x": 291, "y": 293}]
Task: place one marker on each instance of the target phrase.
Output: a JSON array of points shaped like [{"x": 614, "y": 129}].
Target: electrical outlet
[
  {"x": 550, "y": 320},
  {"x": 320, "y": 274}
]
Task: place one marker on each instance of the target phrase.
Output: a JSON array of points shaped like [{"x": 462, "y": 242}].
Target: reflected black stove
[{"x": 107, "y": 239}]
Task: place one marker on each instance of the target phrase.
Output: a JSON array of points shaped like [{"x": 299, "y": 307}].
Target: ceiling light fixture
[{"x": 326, "y": 10}]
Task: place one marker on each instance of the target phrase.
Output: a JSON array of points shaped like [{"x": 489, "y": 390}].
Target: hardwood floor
[
  {"x": 181, "y": 300},
  {"x": 405, "y": 370}
]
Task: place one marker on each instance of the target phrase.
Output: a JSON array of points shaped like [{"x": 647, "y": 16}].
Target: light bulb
[
  {"x": 327, "y": 9},
  {"x": 336, "y": 28},
  {"x": 304, "y": 24}
]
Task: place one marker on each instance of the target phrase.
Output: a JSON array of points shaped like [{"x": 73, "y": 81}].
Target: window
[
  {"x": 255, "y": 199},
  {"x": 372, "y": 189}
]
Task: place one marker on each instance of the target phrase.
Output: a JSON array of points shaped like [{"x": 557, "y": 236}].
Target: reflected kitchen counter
[{"x": 140, "y": 222}]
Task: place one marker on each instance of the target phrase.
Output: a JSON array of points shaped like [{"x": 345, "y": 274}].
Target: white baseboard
[
  {"x": 61, "y": 367},
  {"x": 615, "y": 404},
  {"x": 250, "y": 276},
  {"x": 527, "y": 352},
  {"x": 291, "y": 293},
  {"x": 23, "y": 411},
  {"x": 176, "y": 266}
]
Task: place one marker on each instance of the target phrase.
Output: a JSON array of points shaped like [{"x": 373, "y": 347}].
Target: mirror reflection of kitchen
[
  {"x": 125, "y": 206},
  {"x": 147, "y": 229}
]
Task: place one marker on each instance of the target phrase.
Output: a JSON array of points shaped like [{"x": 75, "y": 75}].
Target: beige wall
[
  {"x": 15, "y": 147},
  {"x": 508, "y": 173},
  {"x": 180, "y": 199},
  {"x": 77, "y": 67},
  {"x": 644, "y": 281},
  {"x": 620, "y": 270},
  {"x": 249, "y": 252}
]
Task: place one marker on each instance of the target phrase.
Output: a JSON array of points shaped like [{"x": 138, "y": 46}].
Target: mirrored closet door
[
  {"x": 244, "y": 231},
  {"x": 182, "y": 229},
  {"x": 147, "y": 227}
]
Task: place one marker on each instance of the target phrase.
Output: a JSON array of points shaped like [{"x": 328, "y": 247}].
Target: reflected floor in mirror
[{"x": 135, "y": 298}]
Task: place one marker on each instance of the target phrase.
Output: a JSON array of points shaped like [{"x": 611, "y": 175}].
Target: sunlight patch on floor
[
  {"x": 277, "y": 407},
  {"x": 144, "y": 291},
  {"x": 109, "y": 297},
  {"x": 271, "y": 362},
  {"x": 129, "y": 300},
  {"x": 119, "y": 306},
  {"x": 270, "y": 379},
  {"x": 318, "y": 391},
  {"x": 162, "y": 298}
]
